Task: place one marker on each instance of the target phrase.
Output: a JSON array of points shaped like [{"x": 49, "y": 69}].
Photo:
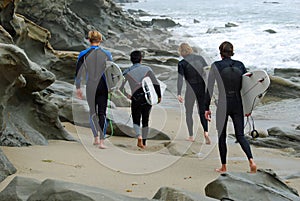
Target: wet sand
[{"x": 126, "y": 169}]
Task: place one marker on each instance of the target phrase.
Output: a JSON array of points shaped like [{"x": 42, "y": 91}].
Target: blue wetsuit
[{"x": 93, "y": 61}]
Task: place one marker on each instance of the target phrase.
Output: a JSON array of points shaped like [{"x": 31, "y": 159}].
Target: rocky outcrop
[
  {"x": 265, "y": 185},
  {"x": 26, "y": 117},
  {"x": 292, "y": 74},
  {"x": 280, "y": 138},
  {"x": 281, "y": 88},
  {"x": 6, "y": 168},
  {"x": 27, "y": 189}
]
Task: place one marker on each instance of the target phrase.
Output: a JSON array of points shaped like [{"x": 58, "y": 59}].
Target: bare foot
[
  {"x": 102, "y": 146},
  {"x": 96, "y": 140},
  {"x": 207, "y": 139},
  {"x": 220, "y": 170},
  {"x": 190, "y": 138},
  {"x": 140, "y": 143},
  {"x": 253, "y": 168}
]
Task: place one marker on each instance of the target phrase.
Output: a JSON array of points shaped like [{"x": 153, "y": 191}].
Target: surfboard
[
  {"x": 149, "y": 90},
  {"x": 254, "y": 87},
  {"x": 114, "y": 76}
]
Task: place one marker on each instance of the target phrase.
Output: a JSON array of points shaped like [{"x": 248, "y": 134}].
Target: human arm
[
  {"x": 155, "y": 84},
  {"x": 209, "y": 90},
  {"x": 180, "y": 82}
]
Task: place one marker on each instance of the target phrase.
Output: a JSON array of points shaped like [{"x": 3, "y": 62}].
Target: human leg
[
  {"x": 189, "y": 101},
  {"x": 221, "y": 120},
  {"x": 91, "y": 89},
  {"x": 238, "y": 123},
  {"x": 136, "y": 118},
  {"x": 146, "y": 109},
  {"x": 101, "y": 105},
  {"x": 200, "y": 93}
]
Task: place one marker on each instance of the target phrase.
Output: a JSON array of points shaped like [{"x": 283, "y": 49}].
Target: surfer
[
  {"x": 228, "y": 75},
  {"x": 93, "y": 61},
  {"x": 140, "y": 109},
  {"x": 191, "y": 69}
]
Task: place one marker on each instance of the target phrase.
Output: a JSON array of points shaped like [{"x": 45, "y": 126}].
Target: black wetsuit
[
  {"x": 140, "y": 109},
  {"x": 191, "y": 68},
  {"x": 228, "y": 74}
]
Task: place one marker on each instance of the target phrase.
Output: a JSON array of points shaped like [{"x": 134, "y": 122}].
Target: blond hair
[
  {"x": 185, "y": 49},
  {"x": 95, "y": 36}
]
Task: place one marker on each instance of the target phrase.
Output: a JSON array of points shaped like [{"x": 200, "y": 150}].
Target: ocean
[{"x": 255, "y": 47}]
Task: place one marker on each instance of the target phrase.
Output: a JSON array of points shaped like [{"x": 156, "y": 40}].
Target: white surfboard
[
  {"x": 149, "y": 90},
  {"x": 254, "y": 87},
  {"x": 114, "y": 76}
]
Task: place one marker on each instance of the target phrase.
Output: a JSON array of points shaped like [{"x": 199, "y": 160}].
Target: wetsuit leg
[
  {"x": 221, "y": 121},
  {"x": 90, "y": 97},
  {"x": 237, "y": 117},
  {"x": 136, "y": 116},
  {"x": 199, "y": 91},
  {"x": 189, "y": 101},
  {"x": 101, "y": 105},
  {"x": 146, "y": 109}
]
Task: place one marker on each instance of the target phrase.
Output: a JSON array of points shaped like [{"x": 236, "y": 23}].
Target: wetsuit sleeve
[
  {"x": 122, "y": 87},
  {"x": 108, "y": 54},
  {"x": 155, "y": 83},
  {"x": 210, "y": 86},
  {"x": 180, "y": 78},
  {"x": 79, "y": 70}
]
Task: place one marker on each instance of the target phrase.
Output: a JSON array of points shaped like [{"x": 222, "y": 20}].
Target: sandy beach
[{"x": 125, "y": 169}]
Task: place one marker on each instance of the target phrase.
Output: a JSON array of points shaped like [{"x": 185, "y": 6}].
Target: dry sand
[{"x": 125, "y": 169}]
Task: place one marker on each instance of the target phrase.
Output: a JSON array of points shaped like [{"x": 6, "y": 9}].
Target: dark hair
[
  {"x": 136, "y": 56},
  {"x": 226, "y": 49}
]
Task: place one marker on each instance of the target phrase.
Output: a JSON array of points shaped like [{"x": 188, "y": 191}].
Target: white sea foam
[{"x": 253, "y": 45}]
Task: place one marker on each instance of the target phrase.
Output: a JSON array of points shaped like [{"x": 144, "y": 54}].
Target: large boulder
[
  {"x": 60, "y": 190},
  {"x": 26, "y": 117},
  {"x": 265, "y": 185},
  {"x": 281, "y": 88},
  {"x": 20, "y": 188}
]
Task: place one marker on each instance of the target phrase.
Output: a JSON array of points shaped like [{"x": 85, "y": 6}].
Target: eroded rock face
[{"x": 26, "y": 117}]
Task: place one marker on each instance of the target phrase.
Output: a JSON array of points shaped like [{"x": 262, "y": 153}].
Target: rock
[
  {"x": 280, "y": 138},
  {"x": 271, "y": 31},
  {"x": 230, "y": 24},
  {"x": 196, "y": 21},
  {"x": 61, "y": 191},
  {"x": 167, "y": 193},
  {"x": 6, "y": 168},
  {"x": 286, "y": 88},
  {"x": 120, "y": 129},
  {"x": 26, "y": 116},
  {"x": 139, "y": 13},
  {"x": 164, "y": 23},
  {"x": 5, "y": 37},
  {"x": 20, "y": 188},
  {"x": 263, "y": 186},
  {"x": 287, "y": 73}
]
